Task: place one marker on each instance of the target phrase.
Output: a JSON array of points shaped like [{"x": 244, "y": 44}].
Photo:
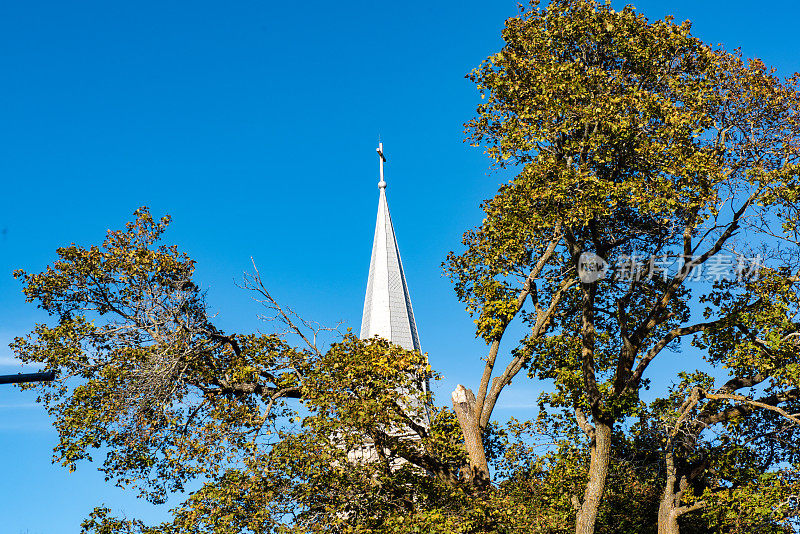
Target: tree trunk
[
  {"x": 598, "y": 470},
  {"x": 668, "y": 515},
  {"x": 671, "y": 498},
  {"x": 464, "y": 406}
]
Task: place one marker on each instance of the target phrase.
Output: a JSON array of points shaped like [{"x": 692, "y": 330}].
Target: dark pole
[{"x": 18, "y": 378}]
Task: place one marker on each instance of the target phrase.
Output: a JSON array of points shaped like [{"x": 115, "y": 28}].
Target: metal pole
[{"x": 19, "y": 378}]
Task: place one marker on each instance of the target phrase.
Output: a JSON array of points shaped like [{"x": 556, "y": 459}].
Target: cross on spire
[{"x": 382, "y": 160}]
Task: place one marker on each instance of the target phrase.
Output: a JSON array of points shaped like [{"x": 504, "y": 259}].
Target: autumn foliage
[{"x": 629, "y": 140}]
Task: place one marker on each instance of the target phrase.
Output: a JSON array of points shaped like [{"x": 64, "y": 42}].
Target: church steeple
[{"x": 387, "y": 306}]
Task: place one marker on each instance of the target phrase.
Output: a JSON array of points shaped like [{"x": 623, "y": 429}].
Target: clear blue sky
[{"x": 254, "y": 125}]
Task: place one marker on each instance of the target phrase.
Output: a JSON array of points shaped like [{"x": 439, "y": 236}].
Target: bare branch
[
  {"x": 527, "y": 287},
  {"x": 253, "y": 282},
  {"x": 767, "y": 403}
]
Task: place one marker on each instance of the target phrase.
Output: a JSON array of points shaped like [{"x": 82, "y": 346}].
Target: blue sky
[{"x": 254, "y": 125}]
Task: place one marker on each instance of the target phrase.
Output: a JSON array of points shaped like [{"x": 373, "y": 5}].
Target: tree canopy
[
  {"x": 634, "y": 146},
  {"x": 637, "y": 144}
]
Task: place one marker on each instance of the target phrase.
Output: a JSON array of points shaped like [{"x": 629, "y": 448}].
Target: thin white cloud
[
  {"x": 518, "y": 399},
  {"x": 516, "y": 405},
  {"x": 8, "y": 361},
  {"x": 19, "y": 406},
  {"x": 11, "y": 361},
  {"x": 26, "y": 427}
]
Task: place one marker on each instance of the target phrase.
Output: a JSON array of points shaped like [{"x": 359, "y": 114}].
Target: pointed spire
[{"x": 387, "y": 306}]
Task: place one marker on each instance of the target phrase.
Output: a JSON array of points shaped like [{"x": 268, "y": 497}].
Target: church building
[{"x": 387, "y": 305}]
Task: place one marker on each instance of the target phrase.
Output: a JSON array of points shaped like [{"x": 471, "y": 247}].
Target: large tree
[
  {"x": 264, "y": 433},
  {"x": 639, "y": 146},
  {"x": 144, "y": 374}
]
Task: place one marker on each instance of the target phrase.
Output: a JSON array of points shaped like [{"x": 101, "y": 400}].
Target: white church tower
[{"x": 387, "y": 306}]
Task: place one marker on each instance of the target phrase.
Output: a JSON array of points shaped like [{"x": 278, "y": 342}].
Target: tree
[
  {"x": 633, "y": 140},
  {"x": 753, "y": 414},
  {"x": 266, "y": 428},
  {"x": 636, "y": 145}
]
